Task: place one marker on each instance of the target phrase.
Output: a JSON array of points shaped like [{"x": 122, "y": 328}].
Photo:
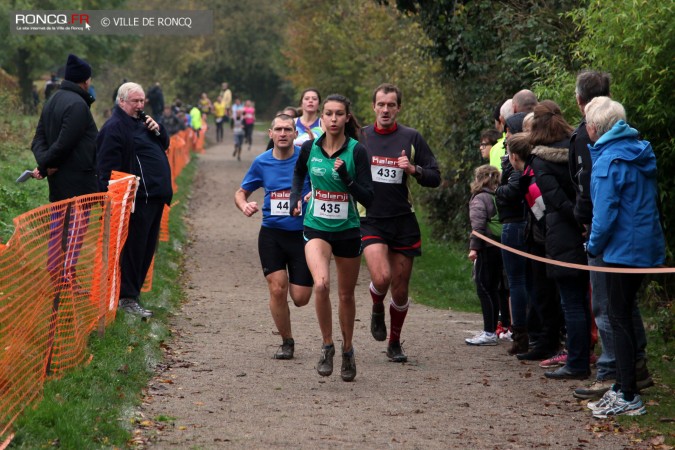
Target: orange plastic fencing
[
  {"x": 198, "y": 141},
  {"x": 59, "y": 280}
]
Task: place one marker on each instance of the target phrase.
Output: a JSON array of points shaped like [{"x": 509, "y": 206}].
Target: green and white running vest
[{"x": 331, "y": 208}]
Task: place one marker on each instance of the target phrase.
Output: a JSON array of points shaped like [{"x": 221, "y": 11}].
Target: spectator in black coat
[
  {"x": 134, "y": 143},
  {"x": 156, "y": 99},
  {"x": 64, "y": 146},
  {"x": 564, "y": 236}
]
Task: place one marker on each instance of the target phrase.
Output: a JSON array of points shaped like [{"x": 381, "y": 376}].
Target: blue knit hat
[{"x": 77, "y": 70}]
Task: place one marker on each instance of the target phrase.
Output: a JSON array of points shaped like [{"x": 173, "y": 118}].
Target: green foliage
[
  {"x": 361, "y": 56},
  {"x": 16, "y": 133},
  {"x": 657, "y": 300},
  {"x": 243, "y": 50},
  {"x": 634, "y": 40},
  {"x": 483, "y": 46},
  {"x": 29, "y": 56}
]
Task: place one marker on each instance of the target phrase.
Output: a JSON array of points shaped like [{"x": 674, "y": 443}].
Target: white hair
[
  {"x": 506, "y": 110},
  {"x": 603, "y": 113},
  {"x": 126, "y": 89}
]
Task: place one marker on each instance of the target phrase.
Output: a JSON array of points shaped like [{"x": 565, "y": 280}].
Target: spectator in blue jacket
[{"x": 626, "y": 230}]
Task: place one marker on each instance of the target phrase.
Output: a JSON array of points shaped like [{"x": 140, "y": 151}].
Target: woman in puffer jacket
[{"x": 564, "y": 236}]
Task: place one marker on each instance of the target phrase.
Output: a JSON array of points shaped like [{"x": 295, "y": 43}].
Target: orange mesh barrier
[
  {"x": 59, "y": 279},
  {"x": 164, "y": 225},
  {"x": 198, "y": 141}
]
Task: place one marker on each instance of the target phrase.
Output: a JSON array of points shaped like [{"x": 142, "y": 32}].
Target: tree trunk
[{"x": 25, "y": 79}]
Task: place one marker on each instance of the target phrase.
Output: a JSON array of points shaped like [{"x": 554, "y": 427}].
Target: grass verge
[
  {"x": 94, "y": 406},
  {"x": 442, "y": 276}
]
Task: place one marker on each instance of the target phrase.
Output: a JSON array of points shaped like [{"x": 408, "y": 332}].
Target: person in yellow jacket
[
  {"x": 220, "y": 114},
  {"x": 196, "y": 119}
]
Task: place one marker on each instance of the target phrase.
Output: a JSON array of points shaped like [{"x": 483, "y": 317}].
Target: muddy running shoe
[
  {"x": 131, "y": 306},
  {"x": 595, "y": 390},
  {"x": 395, "y": 352},
  {"x": 325, "y": 365},
  {"x": 348, "y": 372},
  {"x": 557, "y": 361},
  {"x": 606, "y": 400},
  {"x": 286, "y": 349},
  {"x": 377, "y": 326},
  {"x": 621, "y": 407},
  {"x": 482, "y": 338}
]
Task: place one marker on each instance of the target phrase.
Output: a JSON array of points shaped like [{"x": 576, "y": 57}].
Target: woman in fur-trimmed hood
[{"x": 564, "y": 236}]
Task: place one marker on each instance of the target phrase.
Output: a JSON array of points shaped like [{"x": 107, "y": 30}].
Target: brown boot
[{"x": 520, "y": 341}]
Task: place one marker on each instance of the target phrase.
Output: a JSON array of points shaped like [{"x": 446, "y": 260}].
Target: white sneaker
[
  {"x": 607, "y": 399},
  {"x": 507, "y": 335},
  {"x": 482, "y": 338},
  {"x": 622, "y": 407}
]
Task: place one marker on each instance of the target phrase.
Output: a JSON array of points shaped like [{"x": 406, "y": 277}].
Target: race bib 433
[{"x": 386, "y": 170}]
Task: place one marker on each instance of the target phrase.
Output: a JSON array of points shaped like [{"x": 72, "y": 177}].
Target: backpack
[{"x": 494, "y": 226}]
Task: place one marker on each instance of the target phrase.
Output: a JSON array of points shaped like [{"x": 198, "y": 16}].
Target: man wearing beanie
[
  {"x": 65, "y": 139},
  {"x": 65, "y": 150}
]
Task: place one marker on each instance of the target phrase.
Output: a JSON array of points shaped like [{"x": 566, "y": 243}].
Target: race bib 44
[{"x": 280, "y": 203}]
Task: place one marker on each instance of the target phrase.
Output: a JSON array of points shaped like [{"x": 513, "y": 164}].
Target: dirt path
[{"x": 224, "y": 390}]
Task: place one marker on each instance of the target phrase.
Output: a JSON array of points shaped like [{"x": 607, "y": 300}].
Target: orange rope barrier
[{"x": 571, "y": 265}]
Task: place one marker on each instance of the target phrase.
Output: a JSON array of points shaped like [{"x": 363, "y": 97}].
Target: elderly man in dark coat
[{"x": 134, "y": 143}]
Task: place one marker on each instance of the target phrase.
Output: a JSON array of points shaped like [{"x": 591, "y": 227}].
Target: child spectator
[
  {"x": 238, "y": 122},
  {"x": 486, "y": 257}
]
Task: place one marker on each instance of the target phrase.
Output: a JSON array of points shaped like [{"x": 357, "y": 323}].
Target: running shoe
[
  {"x": 499, "y": 329},
  {"x": 131, "y": 306},
  {"x": 377, "y": 326},
  {"x": 395, "y": 352},
  {"x": 507, "y": 335},
  {"x": 482, "y": 338},
  {"x": 286, "y": 349},
  {"x": 560, "y": 359},
  {"x": 348, "y": 371},
  {"x": 606, "y": 400},
  {"x": 325, "y": 365},
  {"x": 621, "y": 407}
]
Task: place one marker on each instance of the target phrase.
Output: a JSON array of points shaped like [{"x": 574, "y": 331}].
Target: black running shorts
[
  {"x": 281, "y": 250},
  {"x": 401, "y": 234},
  {"x": 344, "y": 244}
]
